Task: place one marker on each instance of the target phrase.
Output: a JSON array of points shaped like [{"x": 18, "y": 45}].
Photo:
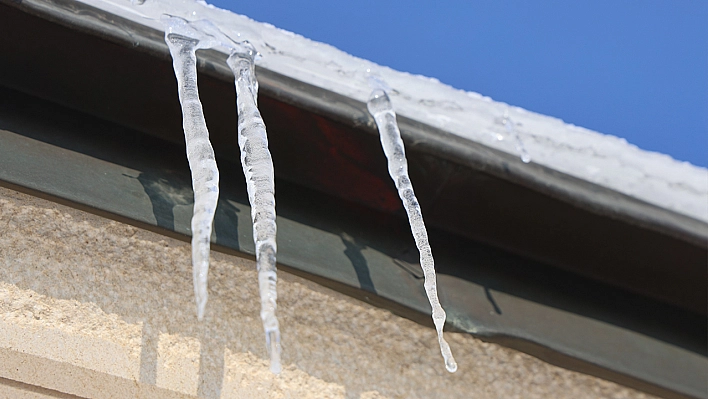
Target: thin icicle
[
  {"x": 380, "y": 107},
  {"x": 511, "y": 129},
  {"x": 183, "y": 42},
  {"x": 258, "y": 169}
]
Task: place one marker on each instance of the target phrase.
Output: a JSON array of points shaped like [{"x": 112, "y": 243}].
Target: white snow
[
  {"x": 604, "y": 160},
  {"x": 511, "y": 131},
  {"x": 183, "y": 41},
  {"x": 381, "y": 109},
  {"x": 260, "y": 180}
]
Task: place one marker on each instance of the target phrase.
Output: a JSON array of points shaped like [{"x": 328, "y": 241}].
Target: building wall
[{"x": 91, "y": 307}]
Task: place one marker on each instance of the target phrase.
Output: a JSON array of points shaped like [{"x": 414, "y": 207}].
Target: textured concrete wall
[{"x": 94, "y": 308}]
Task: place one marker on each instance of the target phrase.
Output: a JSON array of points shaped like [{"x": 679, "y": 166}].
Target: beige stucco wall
[{"x": 96, "y": 308}]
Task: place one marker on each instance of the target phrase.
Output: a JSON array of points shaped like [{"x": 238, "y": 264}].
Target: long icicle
[
  {"x": 183, "y": 43},
  {"x": 380, "y": 107},
  {"x": 258, "y": 169}
]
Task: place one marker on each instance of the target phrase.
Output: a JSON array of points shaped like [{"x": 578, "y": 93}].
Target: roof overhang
[{"x": 539, "y": 256}]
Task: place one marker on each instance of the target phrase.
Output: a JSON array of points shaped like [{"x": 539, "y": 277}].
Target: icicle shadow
[
  {"x": 352, "y": 250},
  {"x": 164, "y": 194}
]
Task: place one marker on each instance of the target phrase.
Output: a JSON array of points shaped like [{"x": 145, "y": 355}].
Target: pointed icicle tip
[
  {"x": 200, "y": 312},
  {"x": 274, "y": 350},
  {"x": 451, "y": 365}
]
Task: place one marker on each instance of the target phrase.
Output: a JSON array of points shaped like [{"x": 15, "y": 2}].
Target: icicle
[
  {"x": 183, "y": 42},
  {"x": 380, "y": 107},
  {"x": 258, "y": 169},
  {"x": 184, "y": 38},
  {"x": 523, "y": 154}
]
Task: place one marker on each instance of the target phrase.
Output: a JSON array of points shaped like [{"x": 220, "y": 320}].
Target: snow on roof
[{"x": 601, "y": 159}]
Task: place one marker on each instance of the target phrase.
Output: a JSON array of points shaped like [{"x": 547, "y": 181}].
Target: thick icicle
[
  {"x": 380, "y": 107},
  {"x": 509, "y": 123},
  {"x": 258, "y": 169},
  {"x": 183, "y": 42}
]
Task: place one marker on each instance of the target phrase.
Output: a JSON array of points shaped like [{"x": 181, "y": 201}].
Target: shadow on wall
[
  {"x": 114, "y": 303},
  {"x": 210, "y": 375},
  {"x": 353, "y": 252},
  {"x": 118, "y": 289},
  {"x": 167, "y": 190}
]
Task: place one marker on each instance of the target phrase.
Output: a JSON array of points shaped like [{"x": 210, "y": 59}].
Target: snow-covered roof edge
[{"x": 601, "y": 159}]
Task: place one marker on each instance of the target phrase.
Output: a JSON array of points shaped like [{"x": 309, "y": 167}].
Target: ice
[
  {"x": 258, "y": 169},
  {"x": 511, "y": 130},
  {"x": 184, "y": 38},
  {"x": 380, "y": 107},
  {"x": 183, "y": 41}
]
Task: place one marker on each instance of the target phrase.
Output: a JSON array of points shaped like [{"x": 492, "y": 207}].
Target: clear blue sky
[{"x": 635, "y": 69}]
